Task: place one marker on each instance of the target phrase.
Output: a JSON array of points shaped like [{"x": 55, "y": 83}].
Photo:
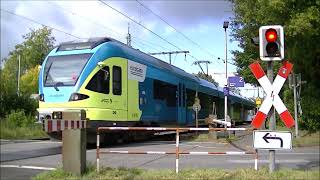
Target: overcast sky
[{"x": 200, "y": 22}]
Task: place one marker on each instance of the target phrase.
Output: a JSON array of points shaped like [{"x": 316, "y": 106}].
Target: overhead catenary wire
[
  {"x": 133, "y": 20},
  {"x": 86, "y": 19},
  {"x": 75, "y": 36},
  {"x": 139, "y": 24},
  {"x": 105, "y": 27},
  {"x": 40, "y": 23},
  {"x": 37, "y": 22},
  {"x": 186, "y": 37}
]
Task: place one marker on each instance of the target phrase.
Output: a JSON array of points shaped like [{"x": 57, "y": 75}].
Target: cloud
[
  {"x": 184, "y": 13},
  {"x": 14, "y": 26},
  {"x": 92, "y": 18},
  {"x": 45, "y": 13}
]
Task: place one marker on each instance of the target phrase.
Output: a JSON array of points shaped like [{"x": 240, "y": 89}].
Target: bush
[
  {"x": 9, "y": 102},
  {"x": 18, "y": 118},
  {"x": 18, "y": 125},
  {"x": 309, "y": 120}
]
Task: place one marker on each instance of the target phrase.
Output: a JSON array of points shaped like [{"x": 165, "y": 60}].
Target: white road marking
[
  {"x": 249, "y": 161},
  {"x": 50, "y": 142},
  {"x": 27, "y": 167},
  {"x": 290, "y": 153}
]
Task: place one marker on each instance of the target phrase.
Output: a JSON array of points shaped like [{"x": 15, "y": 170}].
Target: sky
[{"x": 190, "y": 25}]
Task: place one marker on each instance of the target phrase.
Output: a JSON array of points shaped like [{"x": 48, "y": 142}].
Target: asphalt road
[{"x": 22, "y": 160}]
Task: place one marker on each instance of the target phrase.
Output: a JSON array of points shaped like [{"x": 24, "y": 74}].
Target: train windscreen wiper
[
  {"x": 57, "y": 84},
  {"x": 47, "y": 72}
]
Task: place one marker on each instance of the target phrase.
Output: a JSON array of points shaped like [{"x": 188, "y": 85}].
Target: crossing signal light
[{"x": 271, "y": 43}]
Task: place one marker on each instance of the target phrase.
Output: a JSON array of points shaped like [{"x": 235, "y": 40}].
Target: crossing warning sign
[{"x": 272, "y": 97}]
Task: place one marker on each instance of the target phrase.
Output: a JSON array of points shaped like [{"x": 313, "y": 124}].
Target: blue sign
[
  {"x": 226, "y": 91},
  {"x": 236, "y": 81}
]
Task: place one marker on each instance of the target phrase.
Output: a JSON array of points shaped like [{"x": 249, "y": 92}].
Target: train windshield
[{"x": 64, "y": 70}]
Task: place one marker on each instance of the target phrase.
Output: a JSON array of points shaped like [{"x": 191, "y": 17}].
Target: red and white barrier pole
[
  {"x": 60, "y": 125},
  {"x": 172, "y": 129},
  {"x": 182, "y": 153},
  {"x": 177, "y": 151},
  {"x": 98, "y": 151},
  {"x": 256, "y": 161}
]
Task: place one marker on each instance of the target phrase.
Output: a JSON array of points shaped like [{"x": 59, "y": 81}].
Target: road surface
[{"x": 24, "y": 159}]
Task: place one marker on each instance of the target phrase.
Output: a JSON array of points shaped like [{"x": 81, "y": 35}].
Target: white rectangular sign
[
  {"x": 272, "y": 140},
  {"x": 136, "y": 71}
]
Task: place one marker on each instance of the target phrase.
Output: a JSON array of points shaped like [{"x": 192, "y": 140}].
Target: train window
[
  {"x": 64, "y": 69},
  {"x": 166, "y": 92},
  {"x": 100, "y": 81},
  {"x": 179, "y": 94},
  {"x": 190, "y": 97},
  {"x": 116, "y": 80},
  {"x": 183, "y": 96}
]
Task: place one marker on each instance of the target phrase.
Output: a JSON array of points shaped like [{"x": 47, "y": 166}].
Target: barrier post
[
  {"x": 256, "y": 160},
  {"x": 177, "y": 151},
  {"x": 98, "y": 149},
  {"x": 74, "y": 150}
]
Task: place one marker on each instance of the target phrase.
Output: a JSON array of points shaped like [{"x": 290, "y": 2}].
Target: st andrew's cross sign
[{"x": 272, "y": 97}]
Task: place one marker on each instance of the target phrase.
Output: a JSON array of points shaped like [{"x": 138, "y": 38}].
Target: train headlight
[
  {"x": 78, "y": 96},
  {"x": 41, "y": 97},
  {"x": 57, "y": 115}
]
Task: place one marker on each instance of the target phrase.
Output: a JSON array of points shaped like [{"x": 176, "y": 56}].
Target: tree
[
  {"x": 32, "y": 52},
  {"x": 208, "y": 78},
  {"x": 301, "y": 22},
  {"x": 29, "y": 81}
]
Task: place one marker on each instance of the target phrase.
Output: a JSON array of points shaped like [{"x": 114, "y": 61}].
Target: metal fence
[{"x": 177, "y": 151}]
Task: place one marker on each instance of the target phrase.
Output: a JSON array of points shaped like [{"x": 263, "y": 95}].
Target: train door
[
  {"x": 107, "y": 89},
  {"x": 118, "y": 87},
  {"x": 182, "y": 109}
]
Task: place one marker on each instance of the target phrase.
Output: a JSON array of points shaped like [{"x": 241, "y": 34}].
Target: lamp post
[{"x": 225, "y": 26}]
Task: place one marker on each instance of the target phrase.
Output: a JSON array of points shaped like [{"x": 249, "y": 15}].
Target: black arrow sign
[{"x": 265, "y": 138}]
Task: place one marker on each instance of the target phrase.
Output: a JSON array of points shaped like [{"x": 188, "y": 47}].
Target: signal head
[{"x": 271, "y": 43}]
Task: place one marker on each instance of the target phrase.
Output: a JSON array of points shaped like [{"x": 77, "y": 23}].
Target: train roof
[{"x": 122, "y": 49}]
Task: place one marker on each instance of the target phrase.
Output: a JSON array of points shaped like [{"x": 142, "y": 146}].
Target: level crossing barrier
[
  {"x": 60, "y": 125},
  {"x": 73, "y": 142},
  {"x": 177, "y": 151}
]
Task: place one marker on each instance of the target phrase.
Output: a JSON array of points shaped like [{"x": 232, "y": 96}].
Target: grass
[
  {"x": 33, "y": 131},
  {"x": 205, "y": 137},
  {"x": 307, "y": 139},
  {"x": 141, "y": 174}
]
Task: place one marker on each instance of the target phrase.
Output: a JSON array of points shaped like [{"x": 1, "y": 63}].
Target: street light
[{"x": 225, "y": 26}]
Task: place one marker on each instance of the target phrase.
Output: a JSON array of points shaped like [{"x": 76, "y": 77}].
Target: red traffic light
[
  {"x": 271, "y": 43},
  {"x": 271, "y": 35}
]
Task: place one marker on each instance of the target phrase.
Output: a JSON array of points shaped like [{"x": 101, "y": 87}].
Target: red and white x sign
[{"x": 272, "y": 91}]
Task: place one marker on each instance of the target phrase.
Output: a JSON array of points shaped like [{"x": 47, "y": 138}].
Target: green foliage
[
  {"x": 301, "y": 22},
  {"x": 306, "y": 139},
  {"x": 11, "y": 102},
  {"x": 32, "y": 52},
  {"x": 126, "y": 173},
  {"x": 29, "y": 81},
  {"x": 18, "y": 119},
  {"x": 310, "y": 118},
  {"x": 18, "y": 125}
]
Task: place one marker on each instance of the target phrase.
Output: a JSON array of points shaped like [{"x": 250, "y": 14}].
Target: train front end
[{"x": 63, "y": 78}]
